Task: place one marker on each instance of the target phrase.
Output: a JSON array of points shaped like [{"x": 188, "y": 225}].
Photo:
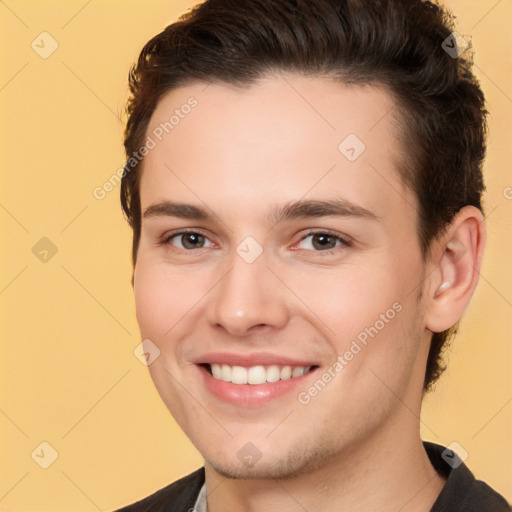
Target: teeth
[
  {"x": 226, "y": 373},
  {"x": 256, "y": 374},
  {"x": 273, "y": 374},
  {"x": 286, "y": 372},
  {"x": 297, "y": 372},
  {"x": 217, "y": 371},
  {"x": 238, "y": 375}
]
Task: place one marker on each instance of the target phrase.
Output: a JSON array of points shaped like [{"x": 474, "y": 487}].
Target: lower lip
[{"x": 251, "y": 395}]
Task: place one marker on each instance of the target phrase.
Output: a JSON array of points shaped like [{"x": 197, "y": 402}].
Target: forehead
[{"x": 285, "y": 137}]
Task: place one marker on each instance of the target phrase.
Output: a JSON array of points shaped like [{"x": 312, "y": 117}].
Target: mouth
[
  {"x": 254, "y": 380},
  {"x": 256, "y": 375}
]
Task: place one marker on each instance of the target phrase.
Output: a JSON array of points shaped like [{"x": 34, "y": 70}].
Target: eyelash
[
  {"x": 166, "y": 239},
  {"x": 345, "y": 242}
]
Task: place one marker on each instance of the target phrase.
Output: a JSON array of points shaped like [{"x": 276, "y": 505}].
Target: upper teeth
[{"x": 256, "y": 374}]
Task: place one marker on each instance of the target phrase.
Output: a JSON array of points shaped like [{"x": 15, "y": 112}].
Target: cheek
[
  {"x": 368, "y": 313},
  {"x": 160, "y": 300},
  {"x": 350, "y": 299}
]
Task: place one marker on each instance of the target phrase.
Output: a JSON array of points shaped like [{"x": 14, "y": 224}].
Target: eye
[
  {"x": 188, "y": 241},
  {"x": 321, "y": 241}
]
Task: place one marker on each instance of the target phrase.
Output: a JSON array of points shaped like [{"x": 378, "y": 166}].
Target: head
[{"x": 268, "y": 96}]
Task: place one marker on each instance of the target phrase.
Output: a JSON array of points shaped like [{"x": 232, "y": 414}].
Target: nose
[{"x": 248, "y": 299}]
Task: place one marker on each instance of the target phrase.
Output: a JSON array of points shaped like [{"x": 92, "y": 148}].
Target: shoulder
[
  {"x": 176, "y": 497},
  {"x": 481, "y": 498},
  {"x": 462, "y": 492}
]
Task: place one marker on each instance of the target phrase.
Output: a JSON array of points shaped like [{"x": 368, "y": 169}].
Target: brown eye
[
  {"x": 190, "y": 241},
  {"x": 321, "y": 242}
]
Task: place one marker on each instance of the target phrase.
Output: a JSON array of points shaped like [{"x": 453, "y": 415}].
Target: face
[{"x": 278, "y": 271}]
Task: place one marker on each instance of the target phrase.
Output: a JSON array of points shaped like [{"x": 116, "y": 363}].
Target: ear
[{"x": 456, "y": 259}]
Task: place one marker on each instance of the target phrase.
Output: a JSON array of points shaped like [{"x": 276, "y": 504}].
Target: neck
[{"x": 388, "y": 472}]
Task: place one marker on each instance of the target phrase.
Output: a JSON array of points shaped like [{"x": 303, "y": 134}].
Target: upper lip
[{"x": 254, "y": 359}]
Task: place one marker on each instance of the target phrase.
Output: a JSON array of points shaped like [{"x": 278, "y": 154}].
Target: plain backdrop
[{"x": 69, "y": 376}]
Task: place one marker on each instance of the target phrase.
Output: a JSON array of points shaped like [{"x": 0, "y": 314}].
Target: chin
[
  {"x": 259, "y": 471},
  {"x": 292, "y": 464}
]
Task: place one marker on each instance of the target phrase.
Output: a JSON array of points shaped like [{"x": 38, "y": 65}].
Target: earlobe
[{"x": 456, "y": 271}]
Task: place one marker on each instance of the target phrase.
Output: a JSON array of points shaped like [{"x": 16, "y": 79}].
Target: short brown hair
[{"x": 395, "y": 43}]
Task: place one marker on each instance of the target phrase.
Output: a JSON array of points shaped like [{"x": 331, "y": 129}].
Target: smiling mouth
[{"x": 256, "y": 374}]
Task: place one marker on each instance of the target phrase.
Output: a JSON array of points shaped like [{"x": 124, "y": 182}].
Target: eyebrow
[{"x": 302, "y": 209}]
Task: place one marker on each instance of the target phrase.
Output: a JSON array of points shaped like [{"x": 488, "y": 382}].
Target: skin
[{"x": 241, "y": 154}]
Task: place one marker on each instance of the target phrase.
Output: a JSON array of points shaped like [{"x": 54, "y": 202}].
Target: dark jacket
[{"x": 461, "y": 492}]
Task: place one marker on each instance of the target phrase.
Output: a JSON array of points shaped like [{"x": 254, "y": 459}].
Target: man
[{"x": 304, "y": 186}]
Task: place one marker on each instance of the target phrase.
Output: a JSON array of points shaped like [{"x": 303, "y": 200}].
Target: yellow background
[{"x": 68, "y": 373}]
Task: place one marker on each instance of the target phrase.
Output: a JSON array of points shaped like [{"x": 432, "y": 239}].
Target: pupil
[
  {"x": 323, "y": 242},
  {"x": 192, "y": 240}
]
